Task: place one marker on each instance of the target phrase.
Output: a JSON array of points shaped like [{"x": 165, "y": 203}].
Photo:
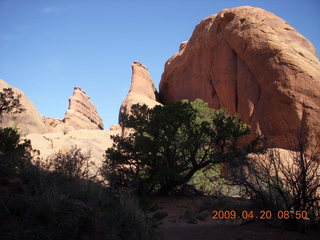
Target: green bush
[
  {"x": 208, "y": 180},
  {"x": 168, "y": 144},
  {"x": 15, "y": 154}
]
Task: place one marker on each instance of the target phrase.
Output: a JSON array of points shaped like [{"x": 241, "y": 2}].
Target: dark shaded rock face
[{"x": 253, "y": 63}]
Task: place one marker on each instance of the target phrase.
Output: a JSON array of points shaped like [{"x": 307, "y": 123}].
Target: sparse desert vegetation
[
  {"x": 228, "y": 147},
  {"x": 59, "y": 198},
  {"x": 62, "y": 203}
]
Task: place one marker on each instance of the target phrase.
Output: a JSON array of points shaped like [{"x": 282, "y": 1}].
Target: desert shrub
[
  {"x": 129, "y": 217},
  {"x": 54, "y": 213},
  {"x": 62, "y": 203},
  {"x": 284, "y": 181},
  {"x": 152, "y": 209},
  {"x": 168, "y": 144},
  {"x": 15, "y": 154},
  {"x": 72, "y": 164}
]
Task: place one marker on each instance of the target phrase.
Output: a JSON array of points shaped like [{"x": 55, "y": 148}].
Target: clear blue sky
[{"x": 48, "y": 47}]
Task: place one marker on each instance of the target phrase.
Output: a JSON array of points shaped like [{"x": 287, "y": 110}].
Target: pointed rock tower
[
  {"x": 142, "y": 90},
  {"x": 82, "y": 114}
]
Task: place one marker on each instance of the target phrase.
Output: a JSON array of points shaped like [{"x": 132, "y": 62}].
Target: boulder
[
  {"x": 115, "y": 127},
  {"x": 54, "y": 125},
  {"x": 29, "y": 121},
  {"x": 255, "y": 64}
]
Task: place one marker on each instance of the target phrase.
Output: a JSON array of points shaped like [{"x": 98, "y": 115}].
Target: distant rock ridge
[
  {"x": 255, "y": 64},
  {"x": 142, "y": 90},
  {"x": 81, "y": 113}
]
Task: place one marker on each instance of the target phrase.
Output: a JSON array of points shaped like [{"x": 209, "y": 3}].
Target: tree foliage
[
  {"x": 167, "y": 145},
  {"x": 209, "y": 180},
  {"x": 15, "y": 154},
  {"x": 10, "y": 102}
]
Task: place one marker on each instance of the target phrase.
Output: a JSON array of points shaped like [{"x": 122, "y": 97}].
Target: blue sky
[{"x": 49, "y": 46}]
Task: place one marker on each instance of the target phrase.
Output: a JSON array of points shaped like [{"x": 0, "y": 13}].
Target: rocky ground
[{"x": 183, "y": 223}]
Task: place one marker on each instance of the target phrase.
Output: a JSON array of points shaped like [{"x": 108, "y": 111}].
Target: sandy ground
[{"x": 176, "y": 226}]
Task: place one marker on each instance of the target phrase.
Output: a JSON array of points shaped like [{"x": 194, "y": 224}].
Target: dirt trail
[
  {"x": 230, "y": 231},
  {"x": 182, "y": 224}
]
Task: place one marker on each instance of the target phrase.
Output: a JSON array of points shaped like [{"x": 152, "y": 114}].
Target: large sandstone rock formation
[
  {"x": 82, "y": 114},
  {"x": 93, "y": 141},
  {"x": 253, "y": 63},
  {"x": 29, "y": 121},
  {"x": 142, "y": 90}
]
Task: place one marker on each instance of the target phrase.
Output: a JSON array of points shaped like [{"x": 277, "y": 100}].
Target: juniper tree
[{"x": 168, "y": 144}]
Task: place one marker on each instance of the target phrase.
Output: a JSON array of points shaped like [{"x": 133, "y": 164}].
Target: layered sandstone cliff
[
  {"x": 253, "y": 63},
  {"x": 142, "y": 90},
  {"x": 82, "y": 127},
  {"x": 29, "y": 121},
  {"x": 82, "y": 114}
]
